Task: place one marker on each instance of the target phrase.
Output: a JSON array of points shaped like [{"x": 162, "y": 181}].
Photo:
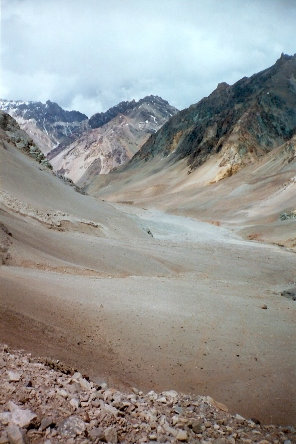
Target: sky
[{"x": 89, "y": 55}]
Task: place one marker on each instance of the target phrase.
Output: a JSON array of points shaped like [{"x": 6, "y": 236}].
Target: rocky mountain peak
[
  {"x": 241, "y": 122},
  {"x": 47, "y": 123},
  {"x": 153, "y": 100},
  {"x": 100, "y": 119},
  {"x": 114, "y": 138},
  {"x": 285, "y": 57}
]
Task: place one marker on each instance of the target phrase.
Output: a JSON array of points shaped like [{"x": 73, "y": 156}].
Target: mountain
[
  {"x": 48, "y": 124},
  {"x": 139, "y": 298},
  {"x": 114, "y": 139},
  {"x": 229, "y": 159},
  {"x": 240, "y": 122},
  {"x": 11, "y": 133}
]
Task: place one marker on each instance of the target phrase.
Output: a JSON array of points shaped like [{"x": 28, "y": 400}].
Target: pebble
[
  {"x": 111, "y": 435},
  {"x": 13, "y": 376},
  {"x": 19, "y": 416},
  {"x": 107, "y": 415},
  {"x": 97, "y": 433},
  {"x": 71, "y": 427},
  {"x": 196, "y": 426},
  {"x": 46, "y": 422},
  {"x": 4, "y": 438},
  {"x": 14, "y": 435},
  {"x": 182, "y": 435},
  {"x": 74, "y": 402}
]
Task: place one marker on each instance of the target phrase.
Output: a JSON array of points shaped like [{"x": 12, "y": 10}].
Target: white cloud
[{"x": 91, "y": 54}]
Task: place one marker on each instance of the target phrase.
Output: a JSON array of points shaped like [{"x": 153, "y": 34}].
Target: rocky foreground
[{"x": 42, "y": 401}]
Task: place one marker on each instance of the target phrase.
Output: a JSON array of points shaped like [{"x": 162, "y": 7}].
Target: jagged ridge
[
  {"x": 47, "y": 123},
  {"x": 101, "y": 149},
  {"x": 242, "y": 121}
]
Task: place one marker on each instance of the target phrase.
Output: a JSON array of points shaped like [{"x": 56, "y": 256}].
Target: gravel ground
[{"x": 43, "y": 401}]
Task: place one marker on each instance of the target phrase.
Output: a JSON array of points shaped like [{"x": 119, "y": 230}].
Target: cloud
[{"x": 91, "y": 54}]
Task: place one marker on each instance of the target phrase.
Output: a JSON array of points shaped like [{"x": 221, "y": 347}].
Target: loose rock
[
  {"x": 14, "y": 435},
  {"x": 19, "y": 416},
  {"x": 71, "y": 427}
]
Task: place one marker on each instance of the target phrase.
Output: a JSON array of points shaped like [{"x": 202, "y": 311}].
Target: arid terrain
[
  {"x": 137, "y": 297},
  {"x": 175, "y": 271},
  {"x": 148, "y": 222},
  {"x": 44, "y": 401}
]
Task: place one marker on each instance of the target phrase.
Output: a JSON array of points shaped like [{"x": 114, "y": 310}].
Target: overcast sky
[{"x": 91, "y": 54}]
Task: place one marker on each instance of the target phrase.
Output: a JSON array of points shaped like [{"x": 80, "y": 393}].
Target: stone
[
  {"x": 97, "y": 434},
  {"x": 216, "y": 404},
  {"x": 62, "y": 393},
  {"x": 4, "y": 438},
  {"x": 20, "y": 417},
  {"x": 15, "y": 435},
  {"x": 111, "y": 435},
  {"x": 13, "y": 376},
  {"x": 76, "y": 377},
  {"x": 162, "y": 399},
  {"x": 84, "y": 384},
  {"x": 109, "y": 409},
  {"x": 5, "y": 418},
  {"x": 71, "y": 427},
  {"x": 196, "y": 426},
  {"x": 74, "y": 402},
  {"x": 181, "y": 435},
  {"x": 290, "y": 294},
  {"x": 170, "y": 394},
  {"x": 239, "y": 417},
  {"x": 47, "y": 421},
  {"x": 264, "y": 307}
]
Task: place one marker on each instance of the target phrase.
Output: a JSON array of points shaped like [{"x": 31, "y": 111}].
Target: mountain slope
[
  {"x": 119, "y": 133},
  {"x": 229, "y": 159},
  {"x": 48, "y": 124},
  {"x": 89, "y": 283},
  {"x": 240, "y": 122},
  {"x": 11, "y": 133}
]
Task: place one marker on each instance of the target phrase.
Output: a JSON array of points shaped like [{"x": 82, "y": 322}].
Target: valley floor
[{"x": 177, "y": 305}]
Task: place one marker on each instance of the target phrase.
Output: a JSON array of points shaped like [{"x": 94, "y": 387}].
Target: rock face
[
  {"x": 10, "y": 132},
  {"x": 116, "y": 136},
  {"x": 79, "y": 147},
  {"x": 39, "y": 408},
  {"x": 48, "y": 124},
  {"x": 240, "y": 122}
]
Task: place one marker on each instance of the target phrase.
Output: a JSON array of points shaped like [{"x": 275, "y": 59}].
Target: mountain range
[
  {"x": 79, "y": 148},
  {"x": 230, "y": 157},
  {"x": 179, "y": 259},
  {"x": 48, "y": 124},
  {"x": 114, "y": 138}
]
